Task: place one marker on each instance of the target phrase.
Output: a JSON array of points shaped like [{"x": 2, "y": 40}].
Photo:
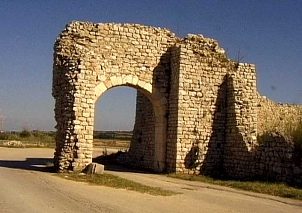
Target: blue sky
[{"x": 267, "y": 33}]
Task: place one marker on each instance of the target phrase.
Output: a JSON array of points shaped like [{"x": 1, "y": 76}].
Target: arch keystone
[{"x": 127, "y": 79}]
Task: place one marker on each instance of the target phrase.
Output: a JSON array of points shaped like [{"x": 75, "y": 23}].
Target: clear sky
[{"x": 267, "y": 33}]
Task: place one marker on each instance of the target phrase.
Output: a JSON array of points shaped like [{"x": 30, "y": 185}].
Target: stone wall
[
  {"x": 216, "y": 106},
  {"x": 277, "y": 159},
  {"x": 278, "y": 155},
  {"x": 198, "y": 112}
]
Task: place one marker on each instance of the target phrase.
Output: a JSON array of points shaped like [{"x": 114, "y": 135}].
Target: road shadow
[
  {"x": 33, "y": 164},
  {"x": 112, "y": 162}
]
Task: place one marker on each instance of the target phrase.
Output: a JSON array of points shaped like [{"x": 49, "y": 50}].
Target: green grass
[
  {"x": 276, "y": 189},
  {"x": 117, "y": 182}
]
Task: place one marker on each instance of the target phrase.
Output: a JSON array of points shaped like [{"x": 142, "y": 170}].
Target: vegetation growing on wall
[
  {"x": 296, "y": 134},
  {"x": 297, "y": 139}
]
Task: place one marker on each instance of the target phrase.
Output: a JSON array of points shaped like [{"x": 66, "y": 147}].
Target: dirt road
[{"x": 25, "y": 187}]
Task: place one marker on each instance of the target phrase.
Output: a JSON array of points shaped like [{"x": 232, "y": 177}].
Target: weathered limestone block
[{"x": 95, "y": 168}]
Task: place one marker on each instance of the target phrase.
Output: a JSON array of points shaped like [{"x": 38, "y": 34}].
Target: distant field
[
  {"x": 102, "y": 139},
  {"x": 27, "y": 139},
  {"x": 113, "y": 135},
  {"x": 111, "y": 143}
]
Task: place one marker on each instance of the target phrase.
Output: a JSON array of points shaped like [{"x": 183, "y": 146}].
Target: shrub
[
  {"x": 297, "y": 136},
  {"x": 3, "y": 136},
  {"x": 25, "y": 134},
  {"x": 8, "y": 136}
]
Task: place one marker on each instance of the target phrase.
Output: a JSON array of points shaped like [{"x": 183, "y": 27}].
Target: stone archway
[
  {"x": 182, "y": 78},
  {"x": 90, "y": 59}
]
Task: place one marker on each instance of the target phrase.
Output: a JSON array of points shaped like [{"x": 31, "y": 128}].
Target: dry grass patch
[
  {"x": 117, "y": 182},
  {"x": 276, "y": 189}
]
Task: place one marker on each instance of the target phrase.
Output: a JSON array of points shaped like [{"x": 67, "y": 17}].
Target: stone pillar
[{"x": 74, "y": 113}]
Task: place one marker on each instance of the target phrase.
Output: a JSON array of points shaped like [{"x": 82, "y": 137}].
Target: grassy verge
[
  {"x": 117, "y": 182},
  {"x": 276, "y": 189}
]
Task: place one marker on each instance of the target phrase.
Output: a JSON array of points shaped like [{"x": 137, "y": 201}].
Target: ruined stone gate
[{"x": 196, "y": 109}]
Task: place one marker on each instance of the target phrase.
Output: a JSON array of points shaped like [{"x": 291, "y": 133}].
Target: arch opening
[
  {"x": 113, "y": 123},
  {"x": 137, "y": 140}
]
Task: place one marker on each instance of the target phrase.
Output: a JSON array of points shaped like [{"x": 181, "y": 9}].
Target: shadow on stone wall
[
  {"x": 236, "y": 155},
  {"x": 142, "y": 148},
  {"x": 192, "y": 158},
  {"x": 275, "y": 158},
  {"x": 227, "y": 154},
  {"x": 213, "y": 160},
  {"x": 64, "y": 99}
]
